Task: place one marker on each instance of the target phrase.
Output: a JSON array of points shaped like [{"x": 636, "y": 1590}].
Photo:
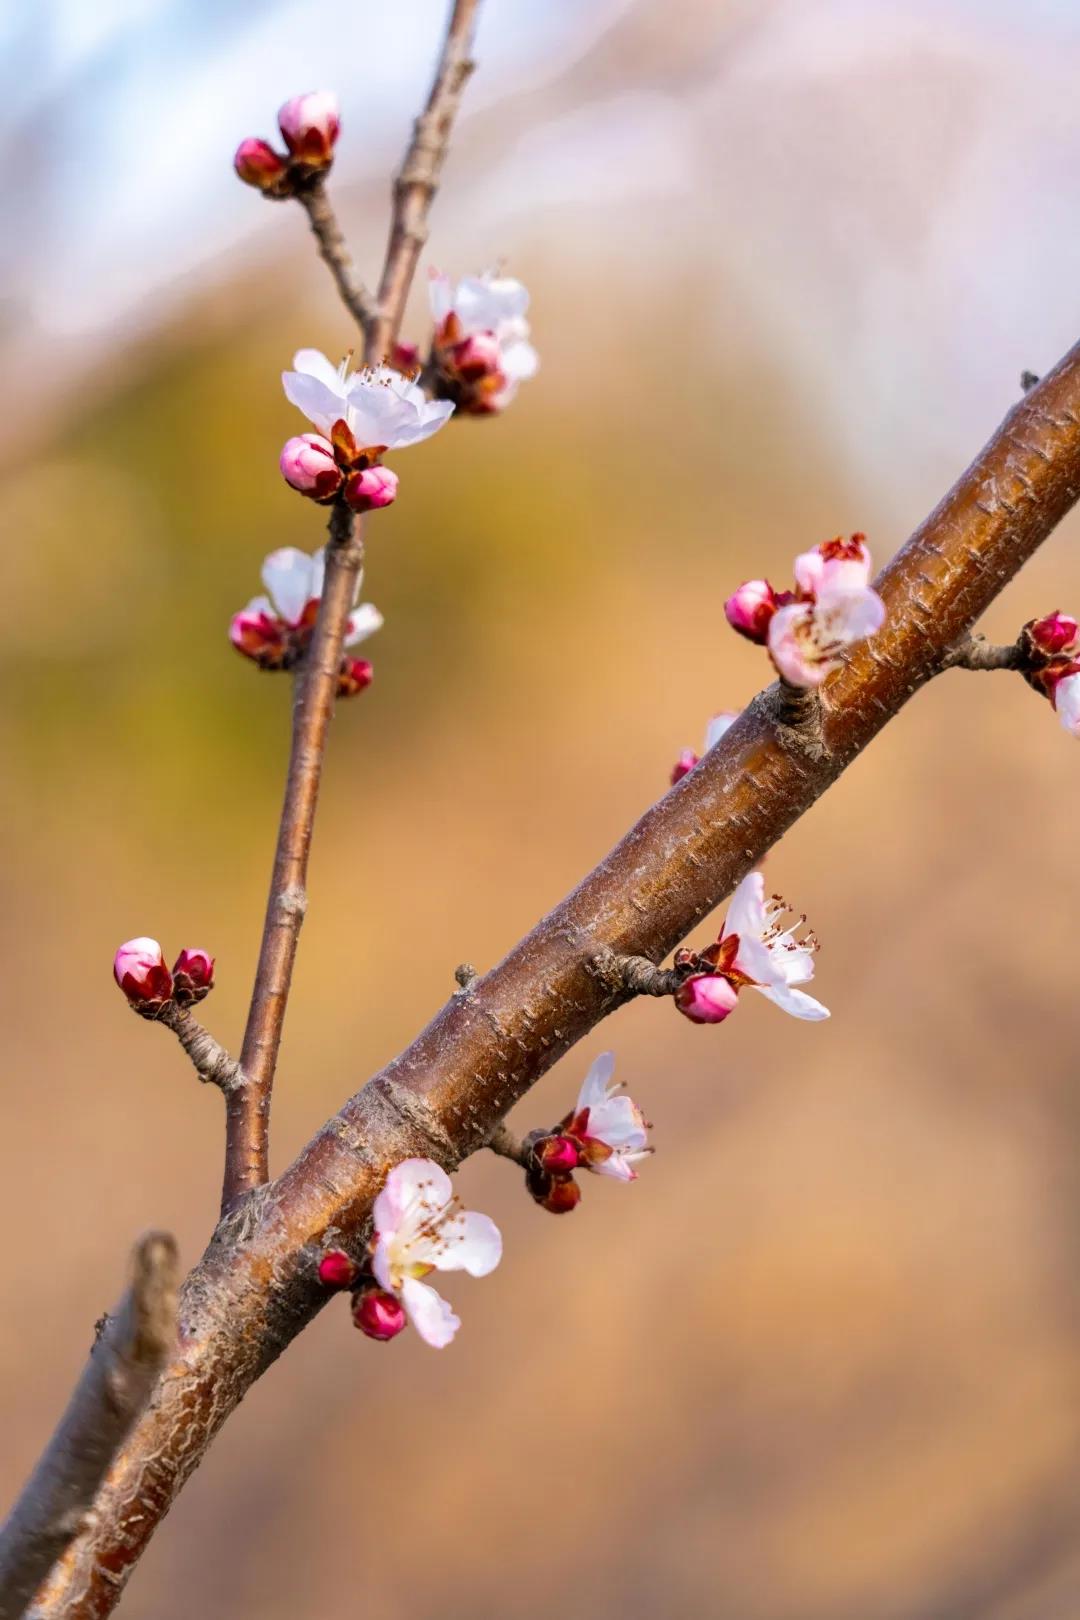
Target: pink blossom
[
  {"x": 718, "y": 725},
  {"x": 371, "y": 488},
  {"x": 707, "y": 998},
  {"x": 309, "y": 126},
  {"x": 759, "y": 949},
  {"x": 258, "y": 164},
  {"x": 381, "y": 409},
  {"x": 683, "y": 765},
  {"x": 837, "y": 607},
  {"x": 307, "y": 464},
  {"x": 749, "y": 609},
  {"x": 610, "y": 1129},
  {"x": 140, "y": 971},
  {"x": 419, "y": 1228},
  {"x": 482, "y": 340}
]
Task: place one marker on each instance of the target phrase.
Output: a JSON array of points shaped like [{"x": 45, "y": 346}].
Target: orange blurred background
[{"x": 787, "y": 262}]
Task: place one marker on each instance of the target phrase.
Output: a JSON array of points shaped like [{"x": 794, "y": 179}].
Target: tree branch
[
  {"x": 125, "y": 1360},
  {"x": 334, "y": 252},
  {"x": 211, "y": 1062},
  {"x": 256, "y": 1287},
  {"x": 418, "y": 178},
  {"x": 975, "y": 652}
]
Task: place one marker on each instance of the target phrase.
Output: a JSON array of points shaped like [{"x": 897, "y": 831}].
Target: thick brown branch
[
  {"x": 256, "y": 1287},
  {"x": 418, "y": 178},
  {"x": 248, "y": 1105},
  {"x": 973, "y": 652},
  {"x": 334, "y": 252},
  {"x": 125, "y": 1360},
  {"x": 211, "y": 1062}
]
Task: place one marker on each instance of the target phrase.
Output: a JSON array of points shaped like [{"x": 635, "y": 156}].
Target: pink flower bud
[
  {"x": 557, "y": 1154},
  {"x": 371, "y": 489},
  {"x": 336, "y": 1270},
  {"x": 258, "y": 164},
  {"x": 307, "y": 464},
  {"x": 193, "y": 977},
  {"x": 405, "y": 357},
  {"x": 139, "y": 969},
  {"x": 751, "y": 607},
  {"x": 1054, "y": 633},
  {"x": 309, "y": 126},
  {"x": 683, "y": 765},
  {"x": 558, "y": 1196},
  {"x": 707, "y": 998},
  {"x": 477, "y": 356},
  {"x": 259, "y": 635},
  {"x": 378, "y": 1314},
  {"x": 355, "y": 675}
]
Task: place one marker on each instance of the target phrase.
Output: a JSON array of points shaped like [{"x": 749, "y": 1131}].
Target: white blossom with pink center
[
  {"x": 1066, "y": 702},
  {"x": 488, "y": 304},
  {"x": 839, "y": 608},
  {"x": 611, "y": 1129},
  {"x": 768, "y": 954},
  {"x": 382, "y": 409},
  {"x": 295, "y": 581},
  {"x": 420, "y": 1227}
]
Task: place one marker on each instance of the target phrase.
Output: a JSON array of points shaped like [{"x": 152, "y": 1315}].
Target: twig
[
  {"x": 124, "y": 1362},
  {"x": 444, "y": 1096},
  {"x": 334, "y": 252},
  {"x": 503, "y": 1142},
  {"x": 975, "y": 652},
  {"x": 637, "y": 975},
  {"x": 418, "y": 178},
  {"x": 248, "y": 1105},
  {"x": 212, "y": 1063}
]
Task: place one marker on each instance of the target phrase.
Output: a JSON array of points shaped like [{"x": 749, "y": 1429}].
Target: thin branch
[
  {"x": 248, "y": 1105},
  {"x": 444, "y": 1096},
  {"x": 636, "y": 975},
  {"x": 418, "y": 178},
  {"x": 334, "y": 252},
  {"x": 508, "y": 1146},
  {"x": 125, "y": 1360},
  {"x": 211, "y": 1061},
  {"x": 975, "y": 652}
]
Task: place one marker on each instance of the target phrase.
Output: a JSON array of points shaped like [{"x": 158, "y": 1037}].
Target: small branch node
[
  {"x": 975, "y": 652},
  {"x": 636, "y": 975},
  {"x": 210, "y": 1060},
  {"x": 503, "y": 1142},
  {"x": 466, "y": 976}
]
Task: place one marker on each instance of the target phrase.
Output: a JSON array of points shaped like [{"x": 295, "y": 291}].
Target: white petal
[
  {"x": 363, "y": 622},
  {"x": 746, "y": 908},
  {"x": 795, "y": 1002},
  {"x": 313, "y": 363},
  {"x": 320, "y": 404},
  {"x": 429, "y": 1313},
  {"x": 475, "y": 1244},
  {"x": 619, "y": 1167},
  {"x": 1067, "y": 703},
  {"x": 441, "y": 294},
  {"x": 718, "y": 725},
  {"x": 617, "y": 1122},
  {"x": 484, "y": 303},
  {"x": 758, "y": 962},
  {"x": 410, "y": 1185},
  {"x": 379, "y": 415},
  {"x": 287, "y": 575},
  {"x": 809, "y": 571},
  {"x": 519, "y": 360},
  {"x": 594, "y": 1087},
  {"x": 381, "y": 1266},
  {"x": 793, "y": 650},
  {"x": 850, "y": 615},
  {"x": 429, "y": 421}
]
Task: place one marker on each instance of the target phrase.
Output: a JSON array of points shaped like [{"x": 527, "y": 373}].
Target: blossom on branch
[
  {"x": 605, "y": 1132},
  {"x": 758, "y": 949},
  {"x": 140, "y": 971},
  {"x": 307, "y": 464},
  {"x": 1050, "y": 662},
  {"x": 310, "y": 125},
  {"x": 377, "y": 408},
  {"x": 420, "y": 1227},
  {"x": 718, "y": 725},
  {"x": 274, "y": 631},
  {"x": 481, "y": 350}
]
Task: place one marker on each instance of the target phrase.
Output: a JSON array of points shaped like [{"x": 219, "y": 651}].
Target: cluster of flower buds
[
  {"x": 140, "y": 970},
  {"x": 757, "y": 949},
  {"x": 274, "y": 631},
  {"x": 420, "y": 1227},
  {"x": 481, "y": 351},
  {"x": 1050, "y": 659},
  {"x": 309, "y": 125},
  {"x": 807, "y": 630},
  {"x": 718, "y": 725},
  {"x": 605, "y": 1132}
]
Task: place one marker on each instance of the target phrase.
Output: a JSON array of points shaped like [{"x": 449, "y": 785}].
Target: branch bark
[
  {"x": 124, "y": 1362},
  {"x": 211, "y": 1062},
  {"x": 334, "y": 252},
  {"x": 256, "y": 1286}
]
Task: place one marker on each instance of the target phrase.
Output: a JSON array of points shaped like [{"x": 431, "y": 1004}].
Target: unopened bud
[
  {"x": 336, "y": 1270},
  {"x": 750, "y": 608},
  {"x": 307, "y": 464},
  {"x": 1054, "y": 633},
  {"x": 707, "y": 998},
  {"x": 405, "y": 357},
  {"x": 561, "y": 1197},
  {"x": 378, "y": 1314},
  {"x": 259, "y": 635},
  {"x": 371, "y": 489},
  {"x": 139, "y": 969},
  {"x": 683, "y": 765},
  {"x": 557, "y": 1154},
  {"x": 309, "y": 126},
  {"x": 476, "y": 357},
  {"x": 258, "y": 164},
  {"x": 355, "y": 675},
  {"x": 193, "y": 977}
]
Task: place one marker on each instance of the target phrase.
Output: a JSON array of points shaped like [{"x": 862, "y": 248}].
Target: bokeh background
[{"x": 789, "y": 258}]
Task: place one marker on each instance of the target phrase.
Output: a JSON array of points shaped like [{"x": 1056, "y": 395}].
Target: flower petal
[
  {"x": 594, "y": 1087},
  {"x": 320, "y": 404},
  {"x": 718, "y": 725},
  {"x": 793, "y": 649},
  {"x": 746, "y": 908},
  {"x": 475, "y": 1244},
  {"x": 287, "y": 575},
  {"x": 795, "y": 1002},
  {"x": 429, "y": 1313},
  {"x": 410, "y": 1185},
  {"x": 313, "y": 363},
  {"x": 617, "y": 1122},
  {"x": 518, "y": 360},
  {"x": 363, "y": 622},
  {"x": 850, "y": 615},
  {"x": 1067, "y": 703}
]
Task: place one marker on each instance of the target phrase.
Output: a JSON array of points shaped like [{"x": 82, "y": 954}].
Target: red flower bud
[
  {"x": 336, "y": 1270},
  {"x": 193, "y": 977},
  {"x": 707, "y": 998},
  {"x": 557, "y": 1154},
  {"x": 750, "y": 608},
  {"x": 683, "y": 765},
  {"x": 355, "y": 675},
  {"x": 139, "y": 969},
  {"x": 258, "y": 164},
  {"x": 371, "y": 489},
  {"x": 405, "y": 357},
  {"x": 307, "y": 464},
  {"x": 378, "y": 1314},
  {"x": 1054, "y": 633}
]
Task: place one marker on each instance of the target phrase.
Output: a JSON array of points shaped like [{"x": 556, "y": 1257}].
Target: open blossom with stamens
[
  {"x": 609, "y": 1129},
  {"x": 835, "y": 608},
  {"x": 310, "y": 125},
  {"x": 379, "y": 408},
  {"x": 759, "y": 949},
  {"x": 274, "y": 630},
  {"x": 420, "y": 1227},
  {"x": 481, "y": 346},
  {"x": 687, "y": 759}
]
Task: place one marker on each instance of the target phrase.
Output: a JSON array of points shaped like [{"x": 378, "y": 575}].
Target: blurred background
[{"x": 788, "y": 260}]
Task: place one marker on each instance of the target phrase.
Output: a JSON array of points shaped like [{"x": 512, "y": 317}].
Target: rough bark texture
[{"x": 256, "y": 1286}]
